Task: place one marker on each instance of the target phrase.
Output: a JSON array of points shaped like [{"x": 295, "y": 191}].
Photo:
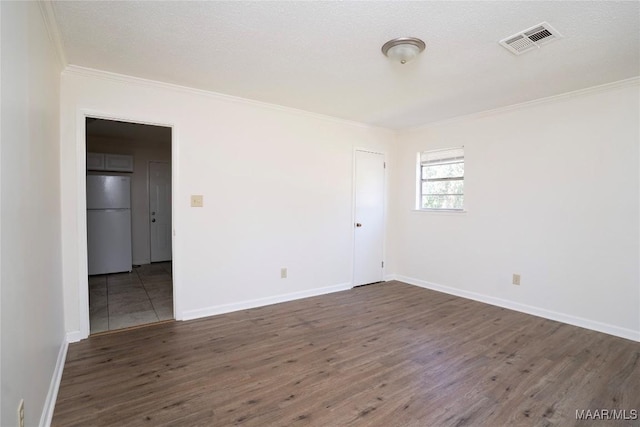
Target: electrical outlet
[
  {"x": 21, "y": 413},
  {"x": 516, "y": 279},
  {"x": 283, "y": 273},
  {"x": 196, "y": 201}
]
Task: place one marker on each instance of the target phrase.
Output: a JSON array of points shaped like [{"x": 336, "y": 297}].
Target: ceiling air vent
[{"x": 530, "y": 38}]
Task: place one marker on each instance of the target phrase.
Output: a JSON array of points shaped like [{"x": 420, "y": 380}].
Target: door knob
[
  {"x": 358, "y": 224},
  {"x": 153, "y": 220}
]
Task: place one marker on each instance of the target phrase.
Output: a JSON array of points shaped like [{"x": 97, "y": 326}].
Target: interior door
[
  {"x": 369, "y": 218},
  {"x": 160, "y": 210}
]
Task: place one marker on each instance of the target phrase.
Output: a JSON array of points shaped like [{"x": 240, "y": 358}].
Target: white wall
[
  {"x": 276, "y": 184},
  {"x": 31, "y": 297},
  {"x": 552, "y": 193},
  {"x": 143, "y": 151}
]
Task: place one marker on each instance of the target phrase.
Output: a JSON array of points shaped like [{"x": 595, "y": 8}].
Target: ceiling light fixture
[{"x": 403, "y": 49}]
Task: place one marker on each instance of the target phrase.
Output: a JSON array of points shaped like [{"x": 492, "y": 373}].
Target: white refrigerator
[{"x": 108, "y": 224}]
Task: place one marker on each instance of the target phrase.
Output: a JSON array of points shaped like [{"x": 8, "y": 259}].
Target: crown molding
[
  {"x": 633, "y": 81},
  {"x": 51, "y": 23},
  {"x": 123, "y": 78}
]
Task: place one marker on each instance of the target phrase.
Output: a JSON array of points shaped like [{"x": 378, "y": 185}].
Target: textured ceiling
[{"x": 325, "y": 57}]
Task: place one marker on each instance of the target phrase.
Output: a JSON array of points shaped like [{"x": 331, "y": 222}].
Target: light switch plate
[{"x": 196, "y": 201}]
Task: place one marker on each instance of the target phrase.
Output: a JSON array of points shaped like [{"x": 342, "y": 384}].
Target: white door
[
  {"x": 369, "y": 218},
  {"x": 160, "y": 210}
]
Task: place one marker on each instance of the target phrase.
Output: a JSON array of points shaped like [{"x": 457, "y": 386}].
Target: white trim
[
  {"x": 54, "y": 386},
  {"x": 81, "y": 149},
  {"x": 107, "y": 75},
  {"x": 259, "y": 302},
  {"x": 1, "y": 210},
  {"x": 366, "y": 150},
  {"x": 123, "y": 78},
  {"x": 51, "y": 23},
  {"x": 633, "y": 81},
  {"x": 629, "y": 334},
  {"x": 81, "y": 231},
  {"x": 441, "y": 211},
  {"x": 175, "y": 195},
  {"x": 87, "y": 112},
  {"x": 74, "y": 336}
]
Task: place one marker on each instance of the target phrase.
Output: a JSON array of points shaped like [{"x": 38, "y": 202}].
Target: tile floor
[{"x": 122, "y": 300}]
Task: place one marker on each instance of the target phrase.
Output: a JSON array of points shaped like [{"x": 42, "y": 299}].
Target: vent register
[{"x": 530, "y": 38}]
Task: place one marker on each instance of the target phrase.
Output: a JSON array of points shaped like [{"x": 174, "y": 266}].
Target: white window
[{"x": 441, "y": 179}]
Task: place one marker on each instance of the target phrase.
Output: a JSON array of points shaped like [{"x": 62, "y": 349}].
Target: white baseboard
[
  {"x": 536, "y": 311},
  {"x": 54, "y": 386},
  {"x": 74, "y": 336},
  {"x": 259, "y": 302}
]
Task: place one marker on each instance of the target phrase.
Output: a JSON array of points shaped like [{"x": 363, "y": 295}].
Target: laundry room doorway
[{"x": 128, "y": 214}]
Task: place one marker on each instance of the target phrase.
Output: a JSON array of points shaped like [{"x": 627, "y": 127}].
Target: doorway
[
  {"x": 139, "y": 289},
  {"x": 369, "y": 218}
]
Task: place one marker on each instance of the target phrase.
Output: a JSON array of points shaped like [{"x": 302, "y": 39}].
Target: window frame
[{"x": 420, "y": 179}]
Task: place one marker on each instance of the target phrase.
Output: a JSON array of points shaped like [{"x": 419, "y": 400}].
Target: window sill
[{"x": 442, "y": 211}]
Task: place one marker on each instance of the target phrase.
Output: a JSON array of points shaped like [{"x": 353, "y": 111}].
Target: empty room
[{"x": 321, "y": 213}]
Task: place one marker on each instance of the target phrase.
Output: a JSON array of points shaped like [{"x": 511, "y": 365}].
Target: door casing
[{"x": 81, "y": 243}]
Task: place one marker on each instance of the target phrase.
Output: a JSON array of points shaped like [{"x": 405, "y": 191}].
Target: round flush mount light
[{"x": 403, "y": 49}]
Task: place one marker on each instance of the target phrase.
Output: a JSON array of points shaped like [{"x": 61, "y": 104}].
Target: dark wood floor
[{"x": 389, "y": 354}]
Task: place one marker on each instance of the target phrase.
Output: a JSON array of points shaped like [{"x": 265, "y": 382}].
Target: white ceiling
[{"x": 325, "y": 57}]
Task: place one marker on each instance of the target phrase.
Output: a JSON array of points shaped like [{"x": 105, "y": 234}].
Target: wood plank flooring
[{"x": 388, "y": 354}]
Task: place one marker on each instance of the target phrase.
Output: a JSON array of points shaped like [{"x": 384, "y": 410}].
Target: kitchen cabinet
[{"x": 109, "y": 162}]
